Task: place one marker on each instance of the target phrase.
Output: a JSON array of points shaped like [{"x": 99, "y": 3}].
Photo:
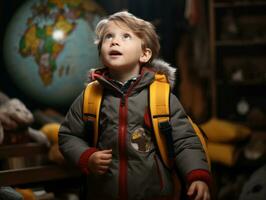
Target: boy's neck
[{"x": 123, "y": 76}]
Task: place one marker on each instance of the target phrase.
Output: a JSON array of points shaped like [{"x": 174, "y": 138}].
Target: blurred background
[{"x": 217, "y": 46}]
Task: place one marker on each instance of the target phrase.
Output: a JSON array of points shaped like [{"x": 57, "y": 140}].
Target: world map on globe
[{"x": 49, "y": 48}]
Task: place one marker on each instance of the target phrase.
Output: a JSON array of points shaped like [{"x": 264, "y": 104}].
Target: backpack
[{"x": 159, "y": 93}]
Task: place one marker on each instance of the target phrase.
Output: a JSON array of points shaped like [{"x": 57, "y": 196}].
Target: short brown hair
[{"x": 143, "y": 29}]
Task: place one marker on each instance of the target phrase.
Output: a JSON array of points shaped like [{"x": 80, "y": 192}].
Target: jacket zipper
[
  {"x": 123, "y": 108},
  {"x": 122, "y": 149}
]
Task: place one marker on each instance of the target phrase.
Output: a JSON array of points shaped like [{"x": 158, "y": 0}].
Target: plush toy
[
  {"x": 1, "y": 132},
  {"x": 255, "y": 187},
  {"x": 27, "y": 194},
  {"x": 35, "y": 194},
  {"x": 13, "y": 116},
  {"x": 15, "y": 121},
  {"x": 51, "y": 132},
  {"x": 7, "y": 193},
  {"x": 17, "y": 111}
]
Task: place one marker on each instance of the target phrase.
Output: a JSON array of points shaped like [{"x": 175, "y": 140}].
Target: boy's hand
[
  {"x": 99, "y": 161},
  {"x": 198, "y": 190}
]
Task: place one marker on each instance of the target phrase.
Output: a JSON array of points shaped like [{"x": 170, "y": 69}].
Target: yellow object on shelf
[
  {"x": 27, "y": 194},
  {"x": 223, "y": 153},
  {"x": 223, "y": 131},
  {"x": 51, "y": 131}
]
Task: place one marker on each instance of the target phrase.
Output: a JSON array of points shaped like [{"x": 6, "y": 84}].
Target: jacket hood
[
  {"x": 157, "y": 65},
  {"x": 160, "y": 66}
]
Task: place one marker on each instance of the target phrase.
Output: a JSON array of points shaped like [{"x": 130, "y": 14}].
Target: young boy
[{"x": 117, "y": 168}]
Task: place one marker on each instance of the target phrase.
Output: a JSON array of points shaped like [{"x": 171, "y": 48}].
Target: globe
[{"x": 49, "y": 48}]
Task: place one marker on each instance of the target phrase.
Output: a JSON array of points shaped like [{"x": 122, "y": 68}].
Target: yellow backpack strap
[
  {"x": 200, "y": 135},
  {"x": 159, "y": 92},
  {"x": 91, "y": 106},
  {"x": 159, "y": 95}
]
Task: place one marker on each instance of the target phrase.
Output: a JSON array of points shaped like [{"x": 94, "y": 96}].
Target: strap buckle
[{"x": 166, "y": 129}]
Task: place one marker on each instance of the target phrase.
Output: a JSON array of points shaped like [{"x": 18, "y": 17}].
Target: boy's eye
[
  {"x": 126, "y": 36},
  {"x": 108, "y": 36}
]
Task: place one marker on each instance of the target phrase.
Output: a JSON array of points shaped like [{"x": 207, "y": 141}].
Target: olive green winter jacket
[{"x": 136, "y": 171}]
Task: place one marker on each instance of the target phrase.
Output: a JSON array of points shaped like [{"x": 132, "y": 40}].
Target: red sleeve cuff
[
  {"x": 199, "y": 175},
  {"x": 84, "y": 158}
]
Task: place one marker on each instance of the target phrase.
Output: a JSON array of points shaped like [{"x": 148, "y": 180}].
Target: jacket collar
[{"x": 147, "y": 74}]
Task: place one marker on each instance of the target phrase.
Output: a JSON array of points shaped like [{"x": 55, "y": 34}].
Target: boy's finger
[
  {"x": 100, "y": 172},
  {"x": 191, "y": 189},
  {"x": 105, "y": 162},
  {"x": 207, "y": 196},
  {"x": 106, "y": 156},
  {"x": 200, "y": 194},
  {"x": 107, "y": 151},
  {"x": 103, "y": 168}
]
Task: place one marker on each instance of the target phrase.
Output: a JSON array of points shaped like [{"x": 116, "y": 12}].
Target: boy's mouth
[{"x": 115, "y": 53}]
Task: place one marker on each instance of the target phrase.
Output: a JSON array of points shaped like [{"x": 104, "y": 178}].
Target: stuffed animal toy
[
  {"x": 15, "y": 117},
  {"x": 51, "y": 132},
  {"x": 7, "y": 193},
  {"x": 15, "y": 121},
  {"x": 1, "y": 132},
  {"x": 27, "y": 194},
  {"x": 17, "y": 112}
]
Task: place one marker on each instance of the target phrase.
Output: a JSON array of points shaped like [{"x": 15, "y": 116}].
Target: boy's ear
[{"x": 146, "y": 55}]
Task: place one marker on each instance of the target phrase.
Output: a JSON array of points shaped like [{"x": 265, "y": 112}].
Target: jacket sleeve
[
  {"x": 190, "y": 158},
  {"x": 72, "y": 140}
]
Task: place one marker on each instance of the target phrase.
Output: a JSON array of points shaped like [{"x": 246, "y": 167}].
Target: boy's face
[{"x": 121, "y": 49}]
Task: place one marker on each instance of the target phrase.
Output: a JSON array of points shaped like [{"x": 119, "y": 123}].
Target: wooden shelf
[
  {"x": 36, "y": 174},
  {"x": 242, "y": 83},
  {"x": 22, "y": 150},
  {"x": 239, "y": 4},
  {"x": 32, "y": 174},
  {"x": 240, "y": 43},
  {"x": 243, "y": 49}
]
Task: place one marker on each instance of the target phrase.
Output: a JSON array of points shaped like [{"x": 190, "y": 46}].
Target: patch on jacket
[{"x": 141, "y": 141}]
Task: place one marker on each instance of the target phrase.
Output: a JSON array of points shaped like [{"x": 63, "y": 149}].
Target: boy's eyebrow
[
  {"x": 124, "y": 31},
  {"x": 108, "y": 30}
]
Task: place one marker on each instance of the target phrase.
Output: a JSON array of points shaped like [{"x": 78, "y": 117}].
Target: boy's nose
[{"x": 115, "y": 41}]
